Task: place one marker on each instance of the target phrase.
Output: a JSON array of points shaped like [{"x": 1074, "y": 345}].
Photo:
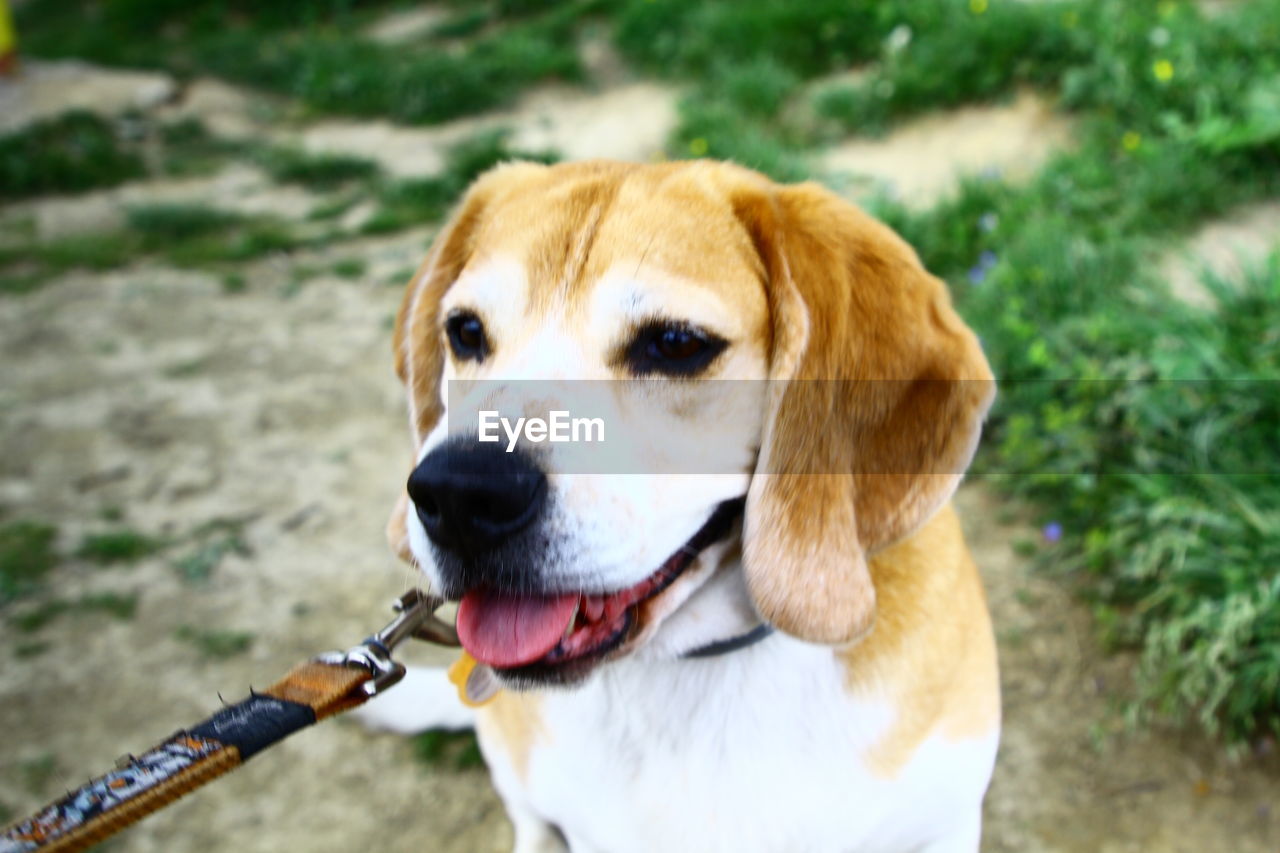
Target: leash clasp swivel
[{"x": 415, "y": 617}]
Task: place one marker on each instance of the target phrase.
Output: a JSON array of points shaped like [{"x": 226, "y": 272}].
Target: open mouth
[{"x": 544, "y": 636}]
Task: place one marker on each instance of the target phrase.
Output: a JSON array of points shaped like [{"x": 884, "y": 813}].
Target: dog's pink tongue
[{"x": 506, "y": 631}]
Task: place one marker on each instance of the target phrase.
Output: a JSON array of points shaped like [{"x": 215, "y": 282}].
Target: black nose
[{"x": 473, "y": 497}]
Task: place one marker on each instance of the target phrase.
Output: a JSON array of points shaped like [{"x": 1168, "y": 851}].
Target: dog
[{"x": 788, "y": 649}]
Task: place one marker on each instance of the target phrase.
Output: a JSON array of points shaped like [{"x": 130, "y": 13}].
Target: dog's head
[{"x": 867, "y": 404}]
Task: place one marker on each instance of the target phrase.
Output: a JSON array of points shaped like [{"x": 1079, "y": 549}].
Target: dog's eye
[
  {"x": 466, "y": 336},
  {"x": 672, "y": 349}
]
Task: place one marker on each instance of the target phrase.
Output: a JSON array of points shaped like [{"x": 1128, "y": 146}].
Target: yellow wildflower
[
  {"x": 1163, "y": 69},
  {"x": 1131, "y": 140}
]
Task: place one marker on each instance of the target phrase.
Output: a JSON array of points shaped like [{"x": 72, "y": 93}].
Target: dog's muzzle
[{"x": 473, "y": 498}]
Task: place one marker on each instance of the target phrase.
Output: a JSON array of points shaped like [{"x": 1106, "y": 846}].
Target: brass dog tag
[{"x": 476, "y": 683}]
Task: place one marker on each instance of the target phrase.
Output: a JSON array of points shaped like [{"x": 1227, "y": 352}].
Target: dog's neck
[{"x": 720, "y": 610}]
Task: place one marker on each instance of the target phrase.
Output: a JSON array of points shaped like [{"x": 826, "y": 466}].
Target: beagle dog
[{"x": 786, "y": 648}]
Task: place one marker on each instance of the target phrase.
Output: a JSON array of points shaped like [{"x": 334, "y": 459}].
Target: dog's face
[{"x": 552, "y": 280}]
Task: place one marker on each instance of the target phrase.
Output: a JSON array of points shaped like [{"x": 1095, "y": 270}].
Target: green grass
[
  {"x": 1169, "y": 490},
  {"x": 120, "y": 607},
  {"x": 400, "y": 277},
  {"x": 417, "y": 201},
  {"x": 188, "y": 148},
  {"x": 335, "y": 206},
  {"x": 464, "y": 23},
  {"x": 316, "y": 171},
  {"x": 1142, "y": 470},
  {"x": 118, "y": 546},
  {"x": 166, "y": 224},
  {"x": 212, "y": 543},
  {"x": 27, "y": 650},
  {"x": 187, "y": 235},
  {"x": 184, "y": 235},
  {"x": 199, "y": 563},
  {"x": 89, "y": 251},
  {"x": 200, "y": 236},
  {"x": 945, "y": 54},
  {"x": 186, "y": 369},
  {"x": 349, "y": 268},
  {"x": 215, "y": 644},
  {"x": 315, "y": 53},
  {"x": 1137, "y": 64},
  {"x": 191, "y": 236},
  {"x": 27, "y": 554},
  {"x": 35, "y": 774},
  {"x": 71, "y": 153},
  {"x": 448, "y": 750},
  {"x": 675, "y": 38}
]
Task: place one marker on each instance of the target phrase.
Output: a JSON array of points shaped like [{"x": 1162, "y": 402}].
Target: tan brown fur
[
  {"x": 888, "y": 427},
  {"x": 514, "y": 721},
  {"x": 931, "y": 650}
]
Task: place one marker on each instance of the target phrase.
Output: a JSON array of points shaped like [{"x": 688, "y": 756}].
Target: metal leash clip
[{"x": 416, "y": 618}]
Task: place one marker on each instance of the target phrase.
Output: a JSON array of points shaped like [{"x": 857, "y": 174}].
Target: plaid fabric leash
[{"x": 140, "y": 785}]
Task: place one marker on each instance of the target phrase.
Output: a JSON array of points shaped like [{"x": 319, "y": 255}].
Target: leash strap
[
  {"x": 140, "y": 785},
  {"x": 188, "y": 759},
  {"x": 328, "y": 685}
]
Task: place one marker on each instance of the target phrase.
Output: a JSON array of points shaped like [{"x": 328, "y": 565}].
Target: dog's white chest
[{"x": 758, "y": 750}]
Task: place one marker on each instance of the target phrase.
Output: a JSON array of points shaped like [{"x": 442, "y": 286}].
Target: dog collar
[{"x": 733, "y": 644}]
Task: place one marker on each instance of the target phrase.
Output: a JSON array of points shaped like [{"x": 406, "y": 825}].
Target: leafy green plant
[
  {"x": 944, "y": 54},
  {"x": 417, "y": 201},
  {"x": 118, "y": 546},
  {"x": 188, "y": 148},
  {"x": 216, "y": 644},
  {"x": 36, "y": 773},
  {"x": 26, "y": 555},
  {"x": 349, "y": 268},
  {"x": 74, "y": 152},
  {"x": 450, "y": 750},
  {"x": 212, "y": 542},
  {"x": 314, "y": 52},
  {"x": 165, "y": 224},
  {"x": 318, "y": 171},
  {"x": 120, "y": 607},
  {"x": 1142, "y": 427}
]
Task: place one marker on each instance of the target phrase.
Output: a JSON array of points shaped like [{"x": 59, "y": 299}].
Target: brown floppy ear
[
  {"x": 416, "y": 342},
  {"x": 877, "y": 402}
]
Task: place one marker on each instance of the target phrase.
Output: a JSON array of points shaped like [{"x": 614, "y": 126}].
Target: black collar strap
[{"x": 723, "y": 647}]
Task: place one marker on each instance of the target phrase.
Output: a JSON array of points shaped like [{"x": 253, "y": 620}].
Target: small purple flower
[
  {"x": 986, "y": 261},
  {"x": 1052, "y": 531}
]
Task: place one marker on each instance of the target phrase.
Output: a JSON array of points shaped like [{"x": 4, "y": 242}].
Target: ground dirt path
[{"x": 273, "y": 413}]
